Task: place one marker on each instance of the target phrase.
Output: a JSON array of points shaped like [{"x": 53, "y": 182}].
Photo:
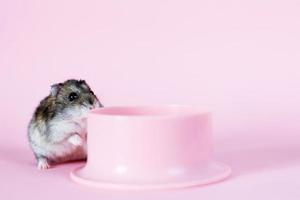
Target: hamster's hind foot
[{"x": 43, "y": 164}]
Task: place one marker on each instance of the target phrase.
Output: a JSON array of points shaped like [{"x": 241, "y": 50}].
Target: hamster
[{"x": 57, "y": 131}]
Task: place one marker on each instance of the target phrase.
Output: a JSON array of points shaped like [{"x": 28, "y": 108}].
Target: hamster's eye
[{"x": 73, "y": 96}]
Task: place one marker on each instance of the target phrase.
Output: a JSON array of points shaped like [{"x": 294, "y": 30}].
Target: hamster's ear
[
  {"x": 84, "y": 84},
  {"x": 82, "y": 81},
  {"x": 55, "y": 88}
]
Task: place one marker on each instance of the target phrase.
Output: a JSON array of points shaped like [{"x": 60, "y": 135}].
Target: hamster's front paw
[
  {"x": 76, "y": 140},
  {"x": 43, "y": 164}
]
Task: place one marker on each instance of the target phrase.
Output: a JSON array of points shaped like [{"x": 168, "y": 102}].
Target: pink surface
[{"x": 238, "y": 59}]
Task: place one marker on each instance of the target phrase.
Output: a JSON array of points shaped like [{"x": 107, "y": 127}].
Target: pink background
[{"x": 240, "y": 59}]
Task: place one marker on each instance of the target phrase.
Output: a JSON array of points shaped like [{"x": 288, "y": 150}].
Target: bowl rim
[{"x": 193, "y": 111}]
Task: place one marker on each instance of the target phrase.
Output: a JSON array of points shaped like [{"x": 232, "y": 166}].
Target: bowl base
[{"x": 217, "y": 174}]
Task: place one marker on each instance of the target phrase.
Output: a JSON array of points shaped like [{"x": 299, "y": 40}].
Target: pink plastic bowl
[{"x": 149, "y": 147}]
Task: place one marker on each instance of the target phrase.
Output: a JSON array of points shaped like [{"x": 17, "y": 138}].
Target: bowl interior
[{"x": 147, "y": 110}]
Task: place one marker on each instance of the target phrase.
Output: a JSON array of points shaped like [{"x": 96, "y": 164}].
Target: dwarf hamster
[{"x": 57, "y": 131}]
